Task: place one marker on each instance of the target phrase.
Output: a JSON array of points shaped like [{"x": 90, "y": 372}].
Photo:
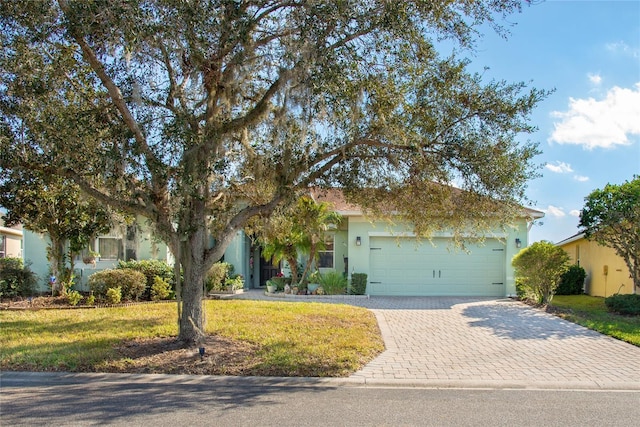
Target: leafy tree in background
[
  {"x": 539, "y": 269},
  {"x": 202, "y": 115},
  {"x": 611, "y": 217},
  {"x": 56, "y": 207}
]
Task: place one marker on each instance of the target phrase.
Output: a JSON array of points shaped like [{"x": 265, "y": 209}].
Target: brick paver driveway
[{"x": 488, "y": 342}]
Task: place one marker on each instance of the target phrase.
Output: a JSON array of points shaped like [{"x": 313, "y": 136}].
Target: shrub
[
  {"x": 114, "y": 295},
  {"x": 91, "y": 299},
  {"x": 16, "y": 279},
  {"x": 151, "y": 268},
  {"x": 234, "y": 283},
  {"x": 624, "y": 304},
  {"x": 521, "y": 292},
  {"x": 333, "y": 283},
  {"x": 358, "y": 283},
  {"x": 217, "y": 275},
  {"x": 571, "y": 281},
  {"x": 539, "y": 268},
  {"x": 160, "y": 289},
  {"x": 131, "y": 282},
  {"x": 73, "y": 297}
]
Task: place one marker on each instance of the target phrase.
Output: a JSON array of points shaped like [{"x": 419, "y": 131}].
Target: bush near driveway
[
  {"x": 539, "y": 268},
  {"x": 572, "y": 281}
]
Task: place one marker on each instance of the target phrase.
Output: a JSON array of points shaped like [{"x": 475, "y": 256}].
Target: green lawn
[
  {"x": 592, "y": 312},
  {"x": 288, "y": 339}
]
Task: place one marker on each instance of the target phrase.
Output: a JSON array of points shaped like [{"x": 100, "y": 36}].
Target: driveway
[{"x": 483, "y": 342}]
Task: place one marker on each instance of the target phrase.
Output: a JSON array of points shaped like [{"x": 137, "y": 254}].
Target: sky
[{"x": 589, "y": 127}]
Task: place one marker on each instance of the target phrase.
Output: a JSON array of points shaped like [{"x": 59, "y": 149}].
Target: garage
[{"x": 402, "y": 266}]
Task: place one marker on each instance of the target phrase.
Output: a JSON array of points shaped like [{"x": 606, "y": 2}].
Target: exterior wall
[
  {"x": 359, "y": 255},
  {"x": 35, "y": 252},
  {"x": 600, "y": 281},
  {"x": 237, "y": 254}
]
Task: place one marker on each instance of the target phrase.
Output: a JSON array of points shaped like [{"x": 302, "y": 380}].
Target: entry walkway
[{"x": 481, "y": 342}]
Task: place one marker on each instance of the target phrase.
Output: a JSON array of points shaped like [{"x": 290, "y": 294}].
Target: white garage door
[{"x": 404, "y": 267}]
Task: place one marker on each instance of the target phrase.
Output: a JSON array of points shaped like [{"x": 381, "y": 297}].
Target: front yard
[
  {"x": 243, "y": 338},
  {"x": 592, "y": 312}
]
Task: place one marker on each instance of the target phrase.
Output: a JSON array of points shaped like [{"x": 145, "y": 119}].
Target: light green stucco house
[{"x": 396, "y": 263}]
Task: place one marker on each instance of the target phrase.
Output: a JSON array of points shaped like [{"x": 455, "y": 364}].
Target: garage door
[{"x": 404, "y": 267}]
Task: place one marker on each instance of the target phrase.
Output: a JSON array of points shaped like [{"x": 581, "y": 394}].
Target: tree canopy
[
  {"x": 611, "y": 217},
  {"x": 201, "y": 115},
  {"x": 55, "y": 206}
]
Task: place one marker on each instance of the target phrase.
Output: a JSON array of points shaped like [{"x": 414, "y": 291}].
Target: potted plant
[
  {"x": 90, "y": 258},
  {"x": 314, "y": 281},
  {"x": 271, "y": 286}
]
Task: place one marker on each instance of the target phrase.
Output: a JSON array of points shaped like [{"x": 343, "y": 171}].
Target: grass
[
  {"x": 592, "y": 312},
  {"x": 291, "y": 338}
]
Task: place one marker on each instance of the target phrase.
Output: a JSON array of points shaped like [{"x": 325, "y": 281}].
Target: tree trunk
[
  {"x": 192, "y": 259},
  {"x": 56, "y": 258}
]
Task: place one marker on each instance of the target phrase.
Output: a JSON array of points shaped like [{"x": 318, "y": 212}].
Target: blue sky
[{"x": 589, "y": 128}]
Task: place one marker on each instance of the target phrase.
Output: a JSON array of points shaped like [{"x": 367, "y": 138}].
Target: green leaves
[{"x": 539, "y": 269}]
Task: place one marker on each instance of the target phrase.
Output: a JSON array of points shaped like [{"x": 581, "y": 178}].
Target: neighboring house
[
  {"x": 10, "y": 241},
  {"x": 396, "y": 264},
  {"x": 134, "y": 242},
  {"x": 607, "y": 273}
]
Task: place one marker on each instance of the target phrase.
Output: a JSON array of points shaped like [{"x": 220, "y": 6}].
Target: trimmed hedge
[
  {"x": 628, "y": 304},
  {"x": 131, "y": 282},
  {"x": 572, "y": 281},
  {"x": 358, "y": 283},
  {"x": 151, "y": 268}
]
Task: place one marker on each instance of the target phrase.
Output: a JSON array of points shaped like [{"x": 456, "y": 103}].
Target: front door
[{"x": 267, "y": 270}]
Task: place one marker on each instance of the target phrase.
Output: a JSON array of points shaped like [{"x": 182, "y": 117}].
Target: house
[
  {"x": 395, "y": 262},
  {"x": 10, "y": 241},
  {"x": 607, "y": 273},
  {"x": 126, "y": 242}
]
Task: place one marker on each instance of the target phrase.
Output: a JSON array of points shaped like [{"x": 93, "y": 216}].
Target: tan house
[
  {"x": 10, "y": 241},
  {"x": 607, "y": 273}
]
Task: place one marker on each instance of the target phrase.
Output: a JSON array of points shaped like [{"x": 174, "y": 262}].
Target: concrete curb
[{"x": 8, "y": 378}]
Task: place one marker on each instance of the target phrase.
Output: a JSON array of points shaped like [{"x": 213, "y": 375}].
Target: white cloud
[
  {"x": 559, "y": 167},
  {"x": 554, "y": 211},
  {"x": 600, "y": 123},
  {"x": 581, "y": 178},
  {"x": 595, "y": 79},
  {"x": 574, "y": 212},
  {"x": 623, "y": 48}
]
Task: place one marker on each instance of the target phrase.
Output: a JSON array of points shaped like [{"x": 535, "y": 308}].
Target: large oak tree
[{"x": 201, "y": 115}]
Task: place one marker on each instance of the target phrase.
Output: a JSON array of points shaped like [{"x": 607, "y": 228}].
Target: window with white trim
[
  {"x": 110, "y": 248},
  {"x": 3, "y": 246},
  {"x": 326, "y": 256}
]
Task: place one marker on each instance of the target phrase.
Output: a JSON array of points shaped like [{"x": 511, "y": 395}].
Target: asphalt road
[{"x": 130, "y": 400}]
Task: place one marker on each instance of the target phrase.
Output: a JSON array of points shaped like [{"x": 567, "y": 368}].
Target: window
[
  {"x": 325, "y": 257},
  {"x": 3, "y": 246},
  {"x": 110, "y": 248}
]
